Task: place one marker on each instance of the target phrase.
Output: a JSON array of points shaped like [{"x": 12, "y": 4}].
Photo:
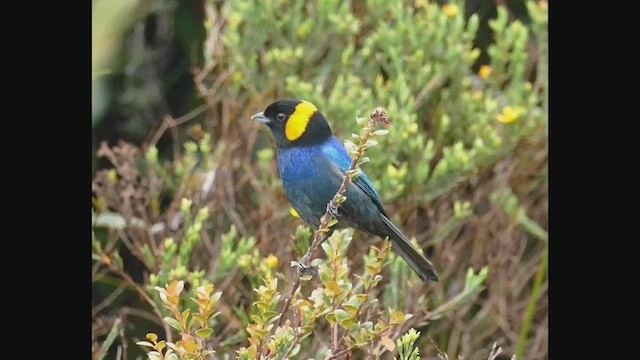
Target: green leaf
[
  {"x": 327, "y": 248},
  {"x": 115, "y": 221},
  {"x": 257, "y": 319},
  {"x": 173, "y": 323},
  {"x": 145, "y": 343},
  {"x": 352, "y": 305},
  {"x": 331, "y": 318},
  {"x": 213, "y": 316},
  {"x": 348, "y": 323},
  {"x": 341, "y": 314},
  {"x": 193, "y": 322},
  {"x": 110, "y": 220},
  {"x": 201, "y": 319},
  {"x": 396, "y": 317},
  {"x": 388, "y": 343},
  {"x": 185, "y": 317},
  {"x": 113, "y": 333},
  {"x": 154, "y": 355},
  {"x": 148, "y": 255},
  {"x": 204, "y": 333},
  {"x": 350, "y": 145}
]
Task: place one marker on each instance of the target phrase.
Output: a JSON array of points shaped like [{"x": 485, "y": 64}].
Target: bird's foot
[
  {"x": 306, "y": 270},
  {"x": 332, "y": 210}
]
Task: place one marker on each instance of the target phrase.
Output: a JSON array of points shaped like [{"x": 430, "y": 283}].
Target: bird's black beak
[{"x": 260, "y": 117}]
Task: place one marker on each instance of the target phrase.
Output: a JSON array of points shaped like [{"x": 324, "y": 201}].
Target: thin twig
[
  {"x": 287, "y": 302},
  {"x": 108, "y": 300},
  {"x": 334, "y": 341},
  {"x": 143, "y": 314},
  {"x": 340, "y": 353},
  {"x": 125, "y": 345},
  {"x": 170, "y": 122},
  {"x": 429, "y": 88}
]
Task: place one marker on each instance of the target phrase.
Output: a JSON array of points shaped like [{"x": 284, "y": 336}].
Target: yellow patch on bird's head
[{"x": 299, "y": 120}]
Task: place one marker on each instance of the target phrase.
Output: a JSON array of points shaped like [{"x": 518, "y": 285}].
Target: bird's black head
[{"x": 295, "y": 123}]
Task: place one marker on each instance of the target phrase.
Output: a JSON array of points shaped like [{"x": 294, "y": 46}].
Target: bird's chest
[
  {"x": 299, "y": 164},
  {"x": 308, "y": 180}
]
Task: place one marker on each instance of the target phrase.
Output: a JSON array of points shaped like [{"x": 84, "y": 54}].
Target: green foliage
[
  {"x": 346, "y": 305},
  {"x": 234, "y": 251},
  {"x": 194, "y": 328},
  {"x": 406, "y": 348}
]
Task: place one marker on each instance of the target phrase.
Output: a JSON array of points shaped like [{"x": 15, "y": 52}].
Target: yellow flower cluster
[
  {"x": 510, "y": 114},
  {"x": 451, "y": 10}
]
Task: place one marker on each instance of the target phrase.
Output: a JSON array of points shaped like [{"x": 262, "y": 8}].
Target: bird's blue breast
[
  {"x": 304, "y": 163},
  {"x": 297, "y": 164},
  {"x": 311, "y": 175}
]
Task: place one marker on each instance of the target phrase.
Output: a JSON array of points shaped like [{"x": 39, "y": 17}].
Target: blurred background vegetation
[{"x": 185, "y": 185}]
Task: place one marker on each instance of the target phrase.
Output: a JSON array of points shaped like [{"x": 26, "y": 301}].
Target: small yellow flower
[
  {"x": 244, "y": 261},
  {"x": 294, "y": 213},
  {"x": 303, "y": 32},
  {"x": 113, "y": 176},
  {"x": 465, "y": 158},
  {"x": 477, "y": 95},
  {"x": 100, "y": 204},
  {"x": 237, "y": 76},
  {"x": 451, "y": 10},
  {"x": 272, "y": 261},
  {"x": 510, "y": 114},
  {"x": 485, "y": 71}
]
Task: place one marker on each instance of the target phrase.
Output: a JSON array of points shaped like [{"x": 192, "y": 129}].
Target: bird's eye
[{"x": 281, "y": 117}]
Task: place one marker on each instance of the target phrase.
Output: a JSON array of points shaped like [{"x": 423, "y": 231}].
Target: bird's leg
[
  {"x": 332, "y": 210},
  {"x": 306, "y": 269}
]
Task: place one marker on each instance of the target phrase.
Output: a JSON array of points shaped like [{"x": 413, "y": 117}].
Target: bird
[{"x": 312, "y": 163}]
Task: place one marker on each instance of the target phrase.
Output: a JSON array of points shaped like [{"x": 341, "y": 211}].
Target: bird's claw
[
  {"x": 304, "y": 270},
  {"x": 332, "y": 210}
]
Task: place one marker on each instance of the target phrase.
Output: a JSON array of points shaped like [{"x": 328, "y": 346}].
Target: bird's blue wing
[{"x": 338, "y": 154}]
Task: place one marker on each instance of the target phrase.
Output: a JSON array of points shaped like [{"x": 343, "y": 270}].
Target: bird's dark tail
[{"x": 401, "y": 245}]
